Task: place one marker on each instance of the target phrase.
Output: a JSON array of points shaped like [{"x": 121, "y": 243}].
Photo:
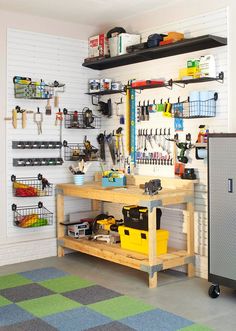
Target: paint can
[
  {"x": 117, "y": 86},
  {"x": 94, "y": 85},
  {"x": 105, "y": 84}
]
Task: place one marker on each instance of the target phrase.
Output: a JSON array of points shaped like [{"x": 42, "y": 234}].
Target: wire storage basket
[
  {"x": 31, "y": 216},
  {"x": 81, "y": 120},
  {"x": 24, "y": 88},
  {"x": 31, "y": 186},
  {"x": 79, "y": 151},
  {"x": 195, "y": 109}
]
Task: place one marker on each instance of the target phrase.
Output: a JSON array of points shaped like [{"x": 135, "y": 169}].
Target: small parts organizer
[
  {"x": 30, "y": 162},
  {"x": 31, "y": 186},
  {"x": 79, "y": 151},
  {"x": 36, "y": 144},
  {"x": 195, "y": 108},
  {"x": 31, "y": 216},
  {"x": 24, "y": 162},
  {"x": 81, "y": 120}
]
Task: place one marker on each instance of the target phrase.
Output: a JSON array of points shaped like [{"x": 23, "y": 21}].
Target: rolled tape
[{"x": 202, "y": 153}]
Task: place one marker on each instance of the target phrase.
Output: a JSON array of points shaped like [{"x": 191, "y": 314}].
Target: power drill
[{"x": 184, "y": 146}]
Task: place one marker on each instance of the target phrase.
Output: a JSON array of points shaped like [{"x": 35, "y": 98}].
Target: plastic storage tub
[{"x": 137, "y": 240}]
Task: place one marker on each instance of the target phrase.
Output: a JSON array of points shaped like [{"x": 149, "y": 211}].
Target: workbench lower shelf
[
  {"x": 114, "y": 253},
  {"x": 175, "y": 191}
]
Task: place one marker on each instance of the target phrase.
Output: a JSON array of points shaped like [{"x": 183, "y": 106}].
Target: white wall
[
  {"x": 183, "y": 10},
  {"x": 214, "y": 23},
  {"x": 33, "y": 24},
  {"x": 139, "y": 71}
]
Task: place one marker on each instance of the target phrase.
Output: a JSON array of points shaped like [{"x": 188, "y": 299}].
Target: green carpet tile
[{"x": 50, "y": 299}]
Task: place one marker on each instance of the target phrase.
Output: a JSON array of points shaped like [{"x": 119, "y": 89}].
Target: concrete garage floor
[{"x": 175, "y": 292}]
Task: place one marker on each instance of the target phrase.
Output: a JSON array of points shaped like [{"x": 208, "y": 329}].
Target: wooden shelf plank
[
  {"x": 181, "y": 47},
  {"x": 114, "y": 253},
  {"x": 129, "y": 195}
]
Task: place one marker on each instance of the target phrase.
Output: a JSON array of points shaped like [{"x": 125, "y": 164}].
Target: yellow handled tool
[{"x": 14, "y": 118}]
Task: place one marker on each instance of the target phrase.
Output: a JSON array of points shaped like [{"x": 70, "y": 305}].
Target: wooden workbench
[{"x": 175, "y": 191}]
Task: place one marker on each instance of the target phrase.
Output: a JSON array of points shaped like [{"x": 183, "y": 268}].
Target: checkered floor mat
[{"x": 50, "y": 299}]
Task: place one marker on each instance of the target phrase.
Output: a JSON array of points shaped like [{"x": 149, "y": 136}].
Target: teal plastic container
[{"x": 114, "y": 182}]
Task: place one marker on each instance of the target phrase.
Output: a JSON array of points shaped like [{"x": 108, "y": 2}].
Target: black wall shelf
[
  {"x": 106, "y": 92},
  {"x": 219, "y": 78},
  {"x": 181, "y": 47}
]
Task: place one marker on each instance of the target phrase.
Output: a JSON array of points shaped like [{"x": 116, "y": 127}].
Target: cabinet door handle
[{"x": 230, "y": 185}]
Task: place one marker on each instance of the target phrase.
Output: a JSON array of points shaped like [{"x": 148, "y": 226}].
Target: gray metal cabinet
[{"x": 221, "y": 212}]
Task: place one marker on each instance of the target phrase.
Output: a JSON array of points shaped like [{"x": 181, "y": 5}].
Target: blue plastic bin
[{"x": 114, "y": 182}]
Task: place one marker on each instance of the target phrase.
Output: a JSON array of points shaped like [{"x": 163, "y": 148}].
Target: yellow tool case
[{"x": 137, "y": 240}]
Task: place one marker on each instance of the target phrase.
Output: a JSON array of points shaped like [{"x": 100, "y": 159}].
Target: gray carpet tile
[
  {"x": 31, "y": 325},
  {"x": 113, "y": 326},
  {"x": 158, "y": 320},
  {"x": 91, "y": 294},
  {"x": 39, "y": 275},
  {"x": 25, "y": 292},
  {"x": 12, "y": 314},
  {"x": 78, "y": 319}
]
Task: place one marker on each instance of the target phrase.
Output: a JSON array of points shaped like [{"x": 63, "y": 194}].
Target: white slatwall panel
[
  {"x": 211, "y": 23},
  {"x": 50, "y": 58}
]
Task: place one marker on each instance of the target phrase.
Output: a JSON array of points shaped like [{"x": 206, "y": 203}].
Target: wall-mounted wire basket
[
  {"x": 31, "y": 186},
  {"x": 33, "y": 91},
  {"x": 195, "y": 109},
  {"x": 36, "y": 145},
  {"x": 78, "y": 151},
  {"x": 31, "y": 216},
  {"x": 28, "y": 162},
  {"x": 81, "y": 120}
]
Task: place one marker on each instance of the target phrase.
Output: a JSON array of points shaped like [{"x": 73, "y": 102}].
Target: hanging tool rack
[
  {"x": 81, "y": 120},
  {"x": 79, "y": 151},
  {"x": 153, "y": 147},
  {"x": 31, "y": 216},
  {"x": 31, "y": 186}
]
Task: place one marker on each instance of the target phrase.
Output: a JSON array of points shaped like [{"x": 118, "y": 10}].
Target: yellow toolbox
[{"x": 137, "y": 240}]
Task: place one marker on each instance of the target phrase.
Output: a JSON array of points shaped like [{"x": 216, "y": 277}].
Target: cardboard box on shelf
[
  {"x": 113, "y": 46},
  {"x": 98, "y": 46},
  {"x": 125, "y": 40},
  {"x": 118, "y": 44}
]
